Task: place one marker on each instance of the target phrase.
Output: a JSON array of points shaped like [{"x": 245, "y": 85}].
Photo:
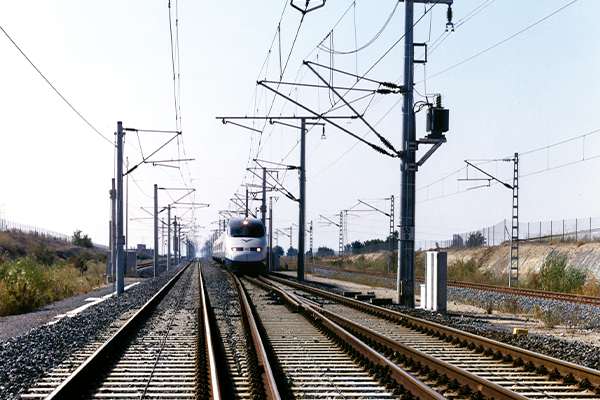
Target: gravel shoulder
[
  {"x": 16, "y": 325},
  {"x": 26, "y": 357}
]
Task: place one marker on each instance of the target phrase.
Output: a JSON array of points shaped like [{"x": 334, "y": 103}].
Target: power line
[
  {"x": 321, "y": 46},
  {"x": 527, "y": 153},
  {"x": 57, "y": 92},
  {"x": 462, "y": 21},
  {"x": 473, "y": 13},
  {"x": 503, "y": 41}
]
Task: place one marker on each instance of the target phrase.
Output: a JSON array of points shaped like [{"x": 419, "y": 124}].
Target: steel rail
[
  {"x": 88, "y": 370},
  {"x": 268, "y": 378},
  {"x": 215, "y": 391},
  {"x": 416, "y": 387},
  {"x": 465, "y": 378},
  {"x": 551, "y": 363},
  {"x": 568, "y": 297}
]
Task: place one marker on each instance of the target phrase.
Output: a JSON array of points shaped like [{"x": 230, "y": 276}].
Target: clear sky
[{"x": 534, "y": 82}]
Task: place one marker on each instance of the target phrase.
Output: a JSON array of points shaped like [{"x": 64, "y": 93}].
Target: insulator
[{"x": 449, "y": 25}]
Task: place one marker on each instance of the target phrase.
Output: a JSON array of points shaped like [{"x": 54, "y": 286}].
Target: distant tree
[
  {"x": 324, "y": 251},
  {"x": 80, "y": 241},
  {"x": 476, "y": 239},
  {"x": 373, "y": 242},
  {"x": 278, "y": 250},
  {"x": 357, "y": 246},
  {"x": 292, "y": 252}
]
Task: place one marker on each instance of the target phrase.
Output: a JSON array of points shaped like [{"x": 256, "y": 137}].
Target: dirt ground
[{"x": 505, "y": 321}]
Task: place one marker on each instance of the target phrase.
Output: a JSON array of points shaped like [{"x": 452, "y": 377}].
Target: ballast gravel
[
  {"x": 25, "y": 358},
  {"x": 578, "y": 317}
]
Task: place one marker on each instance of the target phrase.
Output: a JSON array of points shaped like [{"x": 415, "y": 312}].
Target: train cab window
[{"x": 246, "y": 228}]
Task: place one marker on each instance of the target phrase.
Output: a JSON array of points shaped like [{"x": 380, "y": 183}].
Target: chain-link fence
[
  {"x": 566, "y": 230},
  {"x": 8, "y": 225}
]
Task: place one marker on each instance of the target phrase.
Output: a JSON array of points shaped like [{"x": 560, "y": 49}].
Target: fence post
[
  {"x": 540, "y": 241},
  {"x": 575, "y": 230},
  {"x": 550, "y": 231}
]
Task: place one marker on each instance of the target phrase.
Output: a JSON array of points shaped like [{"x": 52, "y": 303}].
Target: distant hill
[{"x": 17, "y": 244}]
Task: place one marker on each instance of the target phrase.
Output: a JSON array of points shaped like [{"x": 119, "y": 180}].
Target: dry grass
[
  {"x": 16, "y": 244},
  {"x": 26, "y": 284}
]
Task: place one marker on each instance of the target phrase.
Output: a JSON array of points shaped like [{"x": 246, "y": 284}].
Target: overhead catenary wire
[
  {"x": 364, "y": 75},
  {"x": 331, "y": 50},
  {"x": 173, "y": 64},
  {"x": 445, "y": 35},
  {"x": 473, "y": 13},
  {"x": 504, "y": 40},
  {"x": 282, "y": 72},
  {"x": 56, "y": 90},
  {"x": 522, "y": 156}
]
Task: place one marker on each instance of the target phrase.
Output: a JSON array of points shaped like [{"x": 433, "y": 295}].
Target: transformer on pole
[{"x": 408, "y": 162}]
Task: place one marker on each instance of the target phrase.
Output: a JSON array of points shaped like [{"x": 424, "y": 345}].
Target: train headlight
[
  {"x": 234, "y": 249},
  {"x": 258, "y": 249}
]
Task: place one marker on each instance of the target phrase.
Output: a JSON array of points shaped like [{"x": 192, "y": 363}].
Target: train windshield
[{"x": 246, "y": 228}]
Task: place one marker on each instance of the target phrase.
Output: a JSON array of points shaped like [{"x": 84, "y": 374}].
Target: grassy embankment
[
  {"x": 553, "y": 274},
  {"x": 32, "y": 275}
]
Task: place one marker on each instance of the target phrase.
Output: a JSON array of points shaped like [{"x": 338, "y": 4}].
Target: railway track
[
  {"x": 455, "y": 363},
  {"x": 315, "y": 358},
  {"x": 152, "y": 355},
  {"x": 303, "y": 356},
  {"x": 210, "y": 335},
  {"x": 241, "y": 366},
  {"x": 571, "y": 298}
]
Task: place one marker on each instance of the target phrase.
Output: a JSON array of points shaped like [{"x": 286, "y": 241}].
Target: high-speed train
[{"x": 243, "y": 245}]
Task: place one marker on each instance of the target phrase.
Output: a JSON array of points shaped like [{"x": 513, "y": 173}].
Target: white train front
[{"x": 242, "y": 247}]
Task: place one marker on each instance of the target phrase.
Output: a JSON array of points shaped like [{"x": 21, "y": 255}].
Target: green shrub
[
  {"x": 555, "y": 276},
  {"x": 79, "y": 263},
  {"x": 550, "y": 318},
  {"x": 81, "y": 241},
  {"x": 43, "y": 254},
  {"x": 476, "y": 239},
  {"x": 7, "y": 244}
]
